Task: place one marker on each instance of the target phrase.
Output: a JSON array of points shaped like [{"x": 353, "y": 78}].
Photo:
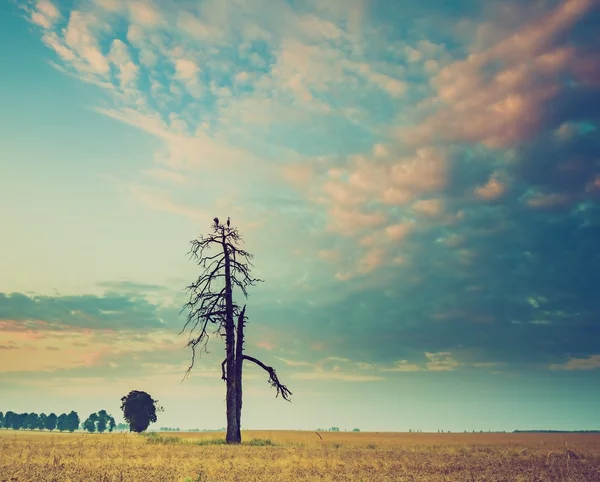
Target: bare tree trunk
[
  {"x": 239, "y": 360},
  {"x": 233, "y": 435}
]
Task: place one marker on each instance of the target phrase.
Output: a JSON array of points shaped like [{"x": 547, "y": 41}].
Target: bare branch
[
  {"x": 224, "y": 266},
  {"x": 273, "y": 380},
  {"x": 223, "y": 377},
  {"x": 192, "y": 343}
]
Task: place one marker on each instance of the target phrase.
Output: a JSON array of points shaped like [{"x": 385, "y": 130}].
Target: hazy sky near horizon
[{"x": 419, "y": 183}]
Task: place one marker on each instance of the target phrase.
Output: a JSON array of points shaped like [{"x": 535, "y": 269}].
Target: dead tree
[{"x": 225, "y": 266}]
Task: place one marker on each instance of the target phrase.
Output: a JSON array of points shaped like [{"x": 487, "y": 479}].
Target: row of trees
[
  {"x": 139, "y": 410},
  {"x": 96, "y": 422},
  {"x": 33, "y": 421},
  {"x": 99, "y": 422}
]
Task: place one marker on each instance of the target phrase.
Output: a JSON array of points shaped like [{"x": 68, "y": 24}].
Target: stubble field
[{"x": 287, "y": 456}]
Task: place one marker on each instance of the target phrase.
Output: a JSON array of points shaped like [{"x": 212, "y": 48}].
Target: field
[{"x": 286, "y": 456}]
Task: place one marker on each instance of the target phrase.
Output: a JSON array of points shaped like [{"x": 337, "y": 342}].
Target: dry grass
[{"x": 286, "y": 456}]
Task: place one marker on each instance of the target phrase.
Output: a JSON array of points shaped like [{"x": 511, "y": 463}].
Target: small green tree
[
  {"x": 61, "y": 422},
  {"x": 72, "y": 421},
  {"x": 1, "y": 420},
  {"x": 102, "y": 423},
  {"x": 32, "y": 421},
  {"x": 356, "y": 430},
  {"x": 42, "y": 421},
  {"x": 51, "y": 421},
  {"x": 139, "y": 410},
  {"x": 90, "y": 423},
  {"x": 111, "y": 424},
  {"x": 18, "y": 421},
  {"x": 9, "y": 418}
]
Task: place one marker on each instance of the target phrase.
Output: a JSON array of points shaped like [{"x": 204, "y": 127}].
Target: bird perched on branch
[
  {"x": 228, "y": 221},
  {"x": 216, "y": 220}
]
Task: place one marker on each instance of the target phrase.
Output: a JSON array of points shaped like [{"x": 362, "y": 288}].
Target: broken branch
[{"x": 273, "y": 380}]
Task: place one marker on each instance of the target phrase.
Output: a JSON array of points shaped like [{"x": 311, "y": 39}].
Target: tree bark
[
  {"x": 239, "y": 360},
  {"x": 233, "y": 435}
]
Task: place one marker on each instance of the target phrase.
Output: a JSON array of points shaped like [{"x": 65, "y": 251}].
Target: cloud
[
  {"x": 505, "y": 93},
  {"x": 293, "y": 363},
  {"x": 120, "y": 57},
  {"x": 344, "y": 369},
  {"x": 434, "y": 175},
  {"x": 343, "y": 377},
  {"x": 45, "y": 14},
  {"x": 267, "y": 345},
  {"x": 429, "y": 207},
  {"x": 442, "y": 361},
  {"x": 402, "y": 366},
  {"x": 322, "y": 371},
  {"x": 80, "y": 38},
  {"x": 143, "y": 13},
  {"x": 492, "y": 190},
  {"x": 398, "y": 231},
  {"x": 112, "y": 311},
  {"x": 590, "y": 363},
  {"x": 539, "y": 200},
  {"x": 130, "y": 286},
  {"x": 40, "y": 349},
  {"x": 160, "y": 200},
  {"x": 186, "y": 69}
]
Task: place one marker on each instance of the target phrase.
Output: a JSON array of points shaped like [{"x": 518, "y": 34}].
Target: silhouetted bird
[
  {"x": 228, "y": 222},
  {"x": 216, "y": 220}
]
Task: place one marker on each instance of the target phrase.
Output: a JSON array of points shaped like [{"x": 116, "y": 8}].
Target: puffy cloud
[
  {"x": 440, "y": 181},
  {"x": 352, "y": 221},
  {"x": 430, "y": 207},
  {"x": 119, "y": 56},
  {"x": 186, "y": 70},
  {"x": 510, "y": 91},
  {"x": 491, "y": 190},
  {"x": 539, "y": 200},
  {"x": 397, "y": 232},
  {"x": 80, "y": 37},
  {"x": 45, "y": 14},
  {"x": 143, "y": 13}
]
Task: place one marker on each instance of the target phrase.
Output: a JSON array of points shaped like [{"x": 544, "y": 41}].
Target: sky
[{"x": 419, "y": 184}]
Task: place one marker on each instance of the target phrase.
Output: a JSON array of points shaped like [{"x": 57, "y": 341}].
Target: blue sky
[{"x": 419, "y": 184}]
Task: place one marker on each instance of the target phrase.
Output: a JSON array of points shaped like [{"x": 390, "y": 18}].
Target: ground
[{"x": 289, "y": 455}]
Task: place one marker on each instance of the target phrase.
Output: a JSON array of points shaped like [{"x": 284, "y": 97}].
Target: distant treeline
[
  {"x": 556, "y": 431},
  {"x": 33, "y": 421},
  {"x": 96, "y": 422}
]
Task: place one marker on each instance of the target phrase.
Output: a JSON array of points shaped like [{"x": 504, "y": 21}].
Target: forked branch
[{"x": 273, "y": 380}]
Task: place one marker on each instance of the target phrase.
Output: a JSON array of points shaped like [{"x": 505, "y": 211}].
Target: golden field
[{"x": 295, "y": 455}]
